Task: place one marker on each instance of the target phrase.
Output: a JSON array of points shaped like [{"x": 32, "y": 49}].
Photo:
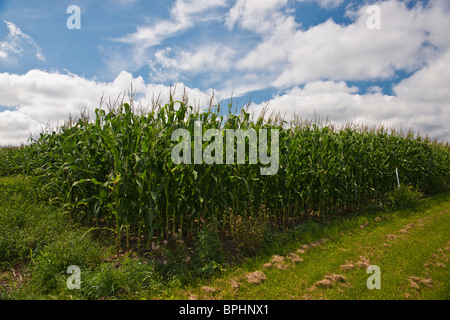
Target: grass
[
  {"x": 410, "y": 247},
  {"x": 26, "y": 223},
  {"x": 121, "y": 169},
  {"x": 38, "y": 243},
  {"x": 108, "y": 196}
]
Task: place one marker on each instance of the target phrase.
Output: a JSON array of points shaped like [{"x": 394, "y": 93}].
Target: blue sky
[{"x": 297, "y": 57}]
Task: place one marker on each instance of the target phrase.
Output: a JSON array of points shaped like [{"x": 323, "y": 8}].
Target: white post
[{"x": 398, "y": 181}]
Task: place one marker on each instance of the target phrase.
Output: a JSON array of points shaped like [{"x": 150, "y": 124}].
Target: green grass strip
[{"x": 410, "y": 248}]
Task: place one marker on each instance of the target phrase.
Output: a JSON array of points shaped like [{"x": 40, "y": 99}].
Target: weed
[
  {"x": 209, "y": 250},
  {"x": 130, "y": 279},
  {"x": 405, "y": 197},
  {"x": 48, "y": 269},
  {"x": 118, "y": 169},
  {"x": 248, "y": 230}
]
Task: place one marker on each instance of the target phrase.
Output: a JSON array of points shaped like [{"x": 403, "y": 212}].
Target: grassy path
[
  {"x": 411, "y": 249},
  {"x": 326, "y": 260}
]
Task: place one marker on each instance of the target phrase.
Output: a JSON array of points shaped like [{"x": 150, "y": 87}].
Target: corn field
[{"x": 116, "y": 171}]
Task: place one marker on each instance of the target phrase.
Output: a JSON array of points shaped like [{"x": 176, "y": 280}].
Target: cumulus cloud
[
  {"x": 38, "y": 99},
  {"x": 15, "y": 42},
  {"x": 255, "y": 15},
  {"x": 182, "y": 16},
  {"x": 435, "y": 20},
  {"x": 421, "y": 102},
  {"x": 287, "y": 55},
  {"x": 169, "y": 65},
  {"x": 329, "y": 51},
  {"x": 309, "y": 67}
]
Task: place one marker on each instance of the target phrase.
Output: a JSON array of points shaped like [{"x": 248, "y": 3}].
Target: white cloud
[
  {"x": 329, "y": 51},
  {"x": 15, "y": 42},
  {"x": 255, "y": 15},
  {"x": 436, "y": 20},
  {"x": 431, "y": 84},
  {"x": 421, "y": 102},
  {"x": 171, "y": 66},
  {"x": 16, "y": 128},
  {"x": 284, "y": 54},
  {"x": 310, "y": 65},
  {"x": 38, "y": 98},
  {"x": 183, "y": 15}
]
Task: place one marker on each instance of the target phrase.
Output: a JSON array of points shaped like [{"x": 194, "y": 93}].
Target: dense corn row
[{"x": 117, "y": 170}]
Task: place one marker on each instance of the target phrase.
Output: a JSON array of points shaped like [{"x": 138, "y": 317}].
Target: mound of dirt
[
  {"x": 415, "y": 281},
  {"x": 363, "y": 262},
  {"x": 294, "y": 257},
  {"x": 210, "y": 290},
  {"x": 256, "y": 277},
  {"x": 330, "y": 280},
  {"x": 347, "y": 266}
]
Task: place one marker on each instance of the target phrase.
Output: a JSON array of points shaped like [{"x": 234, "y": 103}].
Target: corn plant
[{"x": 116, "y": 172}]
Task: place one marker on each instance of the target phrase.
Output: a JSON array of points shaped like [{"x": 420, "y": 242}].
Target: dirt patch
[
  {"x": 413, "y": 284},
  {"x": 415, "y": 281},
  {"x": 234, "y": 284},
  {"x": 329, "y": 281},
  {"x": 314, "y": 244},
  {"x": 363, "y": 262},
  {"x": 392, "y": 236},
  {"x": 282, "y": 266},
  {"x": 276, "y": 261},
  {"x": 421, "y": 223},
  {"x": 404, "y": 231},
  {"x": 377, "y": 219},
  {"x": 325, "y": 283},
  {"x": 280, "y": 261},
  {"x": 294, "y": 257},
  {"x": 209, "y": 290},
  {"x": 256, "y": 277},
  {"x": 337, "y": 278},
  {"x": 346, "y": 267},
  {"x": 438, "y": 260}
]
